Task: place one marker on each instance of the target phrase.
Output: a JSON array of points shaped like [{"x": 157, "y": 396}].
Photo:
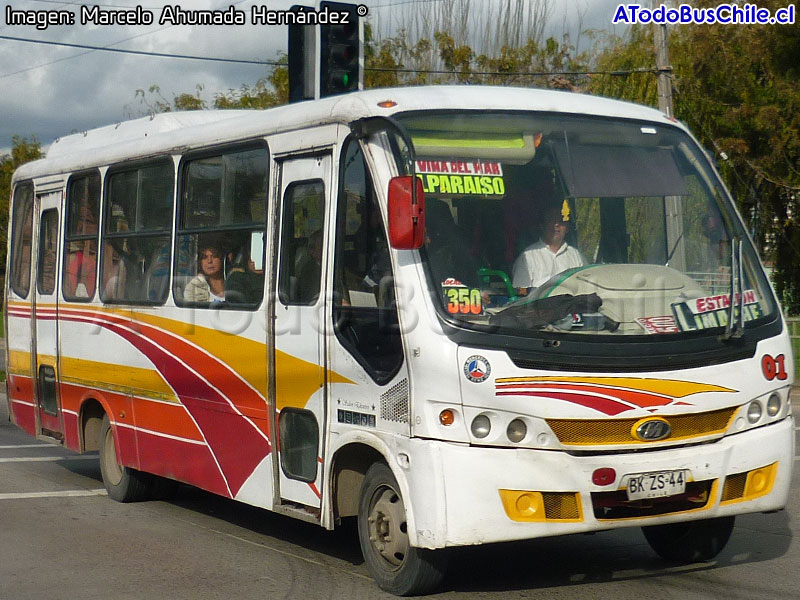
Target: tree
[
  {"x": 737, "y": 89},
  {"x": 22, "y": 151}
]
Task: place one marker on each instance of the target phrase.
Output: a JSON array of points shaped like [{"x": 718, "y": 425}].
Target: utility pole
[{"x": 664, "y": 71}]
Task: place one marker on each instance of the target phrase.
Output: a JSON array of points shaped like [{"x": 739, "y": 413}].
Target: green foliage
[
  {"x": 22, "y": 151},
  {"x": 151, "y": 101},
  {"x": 267, "y": 92}
]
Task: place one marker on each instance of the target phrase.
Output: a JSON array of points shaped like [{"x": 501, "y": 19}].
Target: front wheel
[
  {"x": 692, "y": 541},
  {"x": 396, "y": 566},
  {"x": 123, "y": 484}
]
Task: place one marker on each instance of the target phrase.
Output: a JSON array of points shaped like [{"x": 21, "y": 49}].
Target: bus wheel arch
[
  {"x": 350, "y": 466},
  {"x": 91, "y": 420}
]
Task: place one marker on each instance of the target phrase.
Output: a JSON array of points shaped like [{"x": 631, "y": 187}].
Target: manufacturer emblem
[
  {"x": 652, "y": 430},
  {"x": 477, "y": 369}
]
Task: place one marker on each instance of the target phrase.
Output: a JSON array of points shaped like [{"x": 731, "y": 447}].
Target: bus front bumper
[{"x": 485, "y": 495}]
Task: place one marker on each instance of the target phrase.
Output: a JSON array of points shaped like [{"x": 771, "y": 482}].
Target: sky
[{"x": 48, "y": 91}]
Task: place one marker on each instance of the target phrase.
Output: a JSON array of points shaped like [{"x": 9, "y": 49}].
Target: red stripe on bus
[{"x": 603, "y": 405}]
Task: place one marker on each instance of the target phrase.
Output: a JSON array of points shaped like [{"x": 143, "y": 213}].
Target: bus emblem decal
[
  {"x": 477, "y": 369},
  {"x": 653, "y": 430}
]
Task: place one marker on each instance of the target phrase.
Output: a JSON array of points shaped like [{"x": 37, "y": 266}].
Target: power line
[
  {"x": 127, "y": 39},
  {"x": 142, "y": 52},
  {"x": 373, "y": 69}
]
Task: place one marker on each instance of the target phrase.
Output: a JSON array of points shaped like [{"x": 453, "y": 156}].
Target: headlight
[
  {"x": 773, "y": 405},
  {"x": 481, "y": 426},
  {"x": 754, "y": 412},
  {"x": 517, "y": 430}
]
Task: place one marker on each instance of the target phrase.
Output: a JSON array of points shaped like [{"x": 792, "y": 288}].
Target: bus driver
[{"x": 548, "y": 256}]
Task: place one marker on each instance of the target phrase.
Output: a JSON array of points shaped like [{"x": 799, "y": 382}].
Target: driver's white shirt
[{"x": 538, "y": 263}]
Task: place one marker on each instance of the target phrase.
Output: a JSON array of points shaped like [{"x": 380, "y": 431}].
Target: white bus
[{"x": 462, "y": 315}]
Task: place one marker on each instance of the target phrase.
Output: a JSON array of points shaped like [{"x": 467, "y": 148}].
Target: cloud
[{"x": 49, "y": 91}]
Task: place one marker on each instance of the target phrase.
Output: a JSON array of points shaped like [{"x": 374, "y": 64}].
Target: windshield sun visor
[{"x": 604, "y": 171}]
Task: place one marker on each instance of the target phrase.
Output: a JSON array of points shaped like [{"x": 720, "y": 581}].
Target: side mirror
[{"x": 406, "y": 219}]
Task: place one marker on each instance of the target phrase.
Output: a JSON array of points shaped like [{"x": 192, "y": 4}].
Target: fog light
[
  {"x": 481, "y": 426},
  {"x": 447, "y": 417},
  {"x": 773, "y": 405},
  {"x": 754, "y": 412},
  {"x": 517, "y": 430}
]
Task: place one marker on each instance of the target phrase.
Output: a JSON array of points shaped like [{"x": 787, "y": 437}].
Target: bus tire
[
  {"x": 692, "y": 541},
  {"x": 396, "y": 566},
  {"x": 123, "y": 484}
]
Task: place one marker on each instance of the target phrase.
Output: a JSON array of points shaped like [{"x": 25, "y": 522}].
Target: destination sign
[{"x": 462, "y": 178}]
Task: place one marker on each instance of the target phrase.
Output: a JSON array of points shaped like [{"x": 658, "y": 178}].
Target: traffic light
[
  {"x": 301, "y": 59},
  {"x": 340, "y": 51}
]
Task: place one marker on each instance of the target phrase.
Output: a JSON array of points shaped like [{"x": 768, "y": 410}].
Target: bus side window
[
  {"x": 301, "y": 243},
  {"x": 21, "y": 240},
  {"x": 365, "y": 314},
  {"x": 222, "y": 208},
  {"x": 48, "y": 236},
  {"x": 80, "y": 240},
  {"x": 136, "y": 234}
]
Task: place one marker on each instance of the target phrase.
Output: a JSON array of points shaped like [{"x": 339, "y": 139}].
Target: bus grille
[
  {"x": 394, "y": 403},
  {"x": 620, "y": 431},
  {"x": 560, "y": 505},
  {"x": 734, "y": 487}
]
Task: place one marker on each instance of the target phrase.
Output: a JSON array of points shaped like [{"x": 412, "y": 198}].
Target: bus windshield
[{"x": 576, "y": 224}]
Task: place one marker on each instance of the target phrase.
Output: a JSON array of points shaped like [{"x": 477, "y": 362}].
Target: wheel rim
[
  {"x": 111, "y": 470},
  {"x": 388, "y": 533}
]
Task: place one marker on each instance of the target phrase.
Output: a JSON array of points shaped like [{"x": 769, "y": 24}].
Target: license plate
[{"x": 657, "y": 484}]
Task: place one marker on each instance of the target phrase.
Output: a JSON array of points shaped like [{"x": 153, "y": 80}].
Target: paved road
[{"x": 62, "y": 538}]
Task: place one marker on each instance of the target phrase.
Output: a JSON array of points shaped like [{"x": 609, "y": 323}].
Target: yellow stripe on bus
[
  {"x": 19, "y": 362},
  {"x": 137, "y": 381}
]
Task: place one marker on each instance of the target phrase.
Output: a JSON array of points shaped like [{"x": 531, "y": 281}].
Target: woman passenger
[{"x": 209, "y": 284}]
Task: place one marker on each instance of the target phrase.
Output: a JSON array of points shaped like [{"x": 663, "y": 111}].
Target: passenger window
[
  {"x": 365, "y": 313},
  {"x": 21, "y": 240},
  {"x": 301, "y": 243},
  {"x": 48, "y": 239},
  {"x": 220, "y": 244},
  {"x": 136, "y": 237},
  {"x": 80, "y": 245}
]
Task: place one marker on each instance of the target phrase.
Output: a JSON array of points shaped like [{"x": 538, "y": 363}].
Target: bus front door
[
  {"x": 299, "y": 339},
  {"x": 48, "y": 408}
]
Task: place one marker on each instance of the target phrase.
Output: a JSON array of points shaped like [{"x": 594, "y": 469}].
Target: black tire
[
  {"x": 123, "y": 484},
  {"x": 693, "y": 541},
  {"x": 396, "y": 566}
]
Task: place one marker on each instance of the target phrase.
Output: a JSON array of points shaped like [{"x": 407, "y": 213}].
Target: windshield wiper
[{"x": 735, "y": 326}]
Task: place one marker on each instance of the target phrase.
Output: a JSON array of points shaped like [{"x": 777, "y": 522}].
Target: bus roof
[{"x": 173, "y": 132}]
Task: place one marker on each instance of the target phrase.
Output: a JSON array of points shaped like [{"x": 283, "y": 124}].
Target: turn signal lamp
[{"x": 447, "y": 417}]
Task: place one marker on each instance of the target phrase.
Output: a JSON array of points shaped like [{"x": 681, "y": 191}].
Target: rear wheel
[
  {"x": 395, "y": 565},
  {"x": 123, "y": 484},
  {"x": 692, "y": 541}
]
